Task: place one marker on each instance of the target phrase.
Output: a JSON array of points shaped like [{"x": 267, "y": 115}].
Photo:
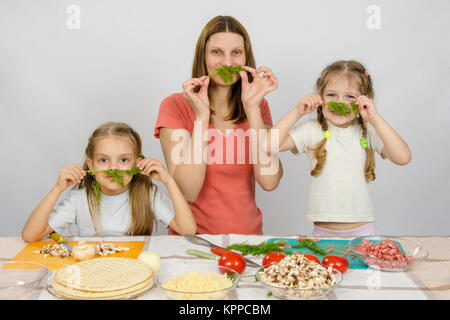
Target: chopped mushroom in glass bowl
[{"x": 297, "y": 278}]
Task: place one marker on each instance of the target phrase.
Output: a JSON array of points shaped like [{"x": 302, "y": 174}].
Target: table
[{"x": 429, "y": 281}]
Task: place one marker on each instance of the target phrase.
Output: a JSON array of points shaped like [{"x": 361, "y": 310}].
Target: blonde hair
[
  {"x": 224, "y": 24},
  {"x": 358, "y": 73},
  {"x": 140, "y": 185}
]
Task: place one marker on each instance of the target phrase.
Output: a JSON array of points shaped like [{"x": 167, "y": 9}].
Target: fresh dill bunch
[
  {"x": 116, "y": 175},
  {"x": 274, "y": 246},
  {"x": 259, "y": 249},
  {"x": 342, "y": 108},
  {"x": 226, "y": 73}
]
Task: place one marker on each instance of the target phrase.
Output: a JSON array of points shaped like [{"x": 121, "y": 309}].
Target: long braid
[
  {"x": 320, "y": 152},
  {"x": 369, "y": 170}
]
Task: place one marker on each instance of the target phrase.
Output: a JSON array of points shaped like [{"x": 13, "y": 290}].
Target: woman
[{"x": 214, "y": 115}]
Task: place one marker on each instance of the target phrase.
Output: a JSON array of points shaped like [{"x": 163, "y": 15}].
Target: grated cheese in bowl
[{"x": 195, "y": 285}]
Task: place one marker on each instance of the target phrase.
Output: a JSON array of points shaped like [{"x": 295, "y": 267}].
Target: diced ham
[{"x": 388, "y": 251}]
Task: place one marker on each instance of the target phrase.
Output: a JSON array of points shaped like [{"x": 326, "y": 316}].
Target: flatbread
[
  {"x": 103, "y": 275},
  {"x": 70, "y": 293}
]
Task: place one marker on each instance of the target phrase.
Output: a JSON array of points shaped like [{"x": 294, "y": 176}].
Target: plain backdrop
[{"x": 57, "y": 84}]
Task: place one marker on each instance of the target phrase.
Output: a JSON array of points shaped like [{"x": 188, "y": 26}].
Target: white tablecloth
[{"x": 357, "y": 284}]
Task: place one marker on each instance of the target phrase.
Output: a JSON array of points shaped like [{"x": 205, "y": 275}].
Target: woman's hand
[
  {"x": 366, "y": 108},
  {"x": 159, "y": 173},
  {"x": 199, "y": 101},
  {"x": 69, "y": 176},
  {"x": 308, "y": 104},
  {"x": 254, "y": 92}
]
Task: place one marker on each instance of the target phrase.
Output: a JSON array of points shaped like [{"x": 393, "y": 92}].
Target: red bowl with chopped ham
[{"x": 388, "y": 253}]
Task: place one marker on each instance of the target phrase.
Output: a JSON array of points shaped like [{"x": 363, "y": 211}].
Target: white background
[{"x": 57, "y": 85}]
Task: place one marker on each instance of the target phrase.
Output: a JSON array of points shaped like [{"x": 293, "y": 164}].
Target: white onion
[
  {"x": 151, "y": 258},
  {"x": 83, "y": 251}
]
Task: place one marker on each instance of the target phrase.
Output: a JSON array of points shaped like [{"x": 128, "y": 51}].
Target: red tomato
[
  {"x": 233, "y": 261},
  {"x": 337, "y": 262},
  {"x": 312, "y": 257},
  {"x": 272, "y": 257}
]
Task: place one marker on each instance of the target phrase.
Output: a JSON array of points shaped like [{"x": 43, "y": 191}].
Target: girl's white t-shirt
[
  {"x": 72, "y": 213},
  {"x": 340, "y": 193}
]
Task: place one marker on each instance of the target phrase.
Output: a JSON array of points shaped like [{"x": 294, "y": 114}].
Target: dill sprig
[
  {"x": 226, "y": 73},
  {"x": 116, "y": 175},
  {"x": 342, "y": 108},
  {"x": 96, "y": 190},
  {"x": 232, "y": 276},
  {"x": 310, "y": 244}
]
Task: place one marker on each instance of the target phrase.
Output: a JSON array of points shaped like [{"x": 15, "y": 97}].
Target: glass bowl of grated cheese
[{"x": 197, "y": 283}]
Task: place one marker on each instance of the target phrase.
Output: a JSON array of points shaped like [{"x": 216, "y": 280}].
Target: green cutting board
[{"x": 338, "y": 247}]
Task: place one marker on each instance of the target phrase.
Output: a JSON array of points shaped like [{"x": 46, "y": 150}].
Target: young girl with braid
[{"x": 341, "y": 149}]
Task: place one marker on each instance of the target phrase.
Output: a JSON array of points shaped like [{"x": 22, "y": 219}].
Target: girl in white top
[
  {"x": 341, "y": 149},
  {"x": 98, "y": 205}
]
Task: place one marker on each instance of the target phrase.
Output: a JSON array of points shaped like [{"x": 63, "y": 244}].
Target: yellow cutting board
[{"x": 55, "y": 263}]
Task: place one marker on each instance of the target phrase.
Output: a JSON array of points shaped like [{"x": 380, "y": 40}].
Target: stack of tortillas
[{"x": 103, "y": 278}]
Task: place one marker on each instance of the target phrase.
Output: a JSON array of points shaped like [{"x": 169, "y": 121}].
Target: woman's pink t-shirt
[{"x": 226, "y": 203}]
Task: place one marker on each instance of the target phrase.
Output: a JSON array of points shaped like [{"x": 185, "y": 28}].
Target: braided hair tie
[{"x": 363, "y": 143}]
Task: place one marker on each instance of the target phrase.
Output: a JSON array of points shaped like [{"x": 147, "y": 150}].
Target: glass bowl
[
  {"x": 416, "y": 254},
  {"x": 301, "y": 294},
  {"x": 164, "y": 275},
  {"x": 18, "y": 279}
]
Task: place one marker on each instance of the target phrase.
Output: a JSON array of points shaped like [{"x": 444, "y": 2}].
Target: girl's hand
[
  {"x": 308, "y": 104},
  {"x": 199, "y": 101},
  {"x": 254, "y": 92},
  {"x": 69, "y": 176},
  {"x": 160, "y": 173},
  {"x": 366, "y": 108}
]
